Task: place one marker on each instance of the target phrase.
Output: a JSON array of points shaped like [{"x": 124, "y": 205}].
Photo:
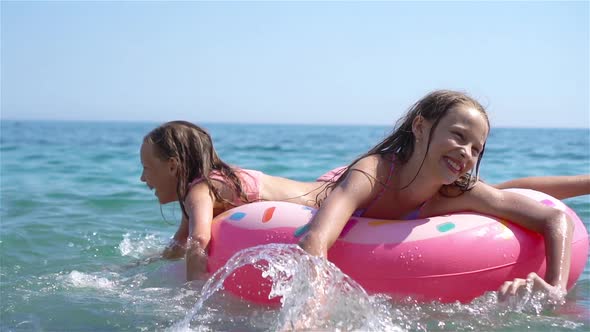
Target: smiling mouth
[{"x": 453, "y": 166}]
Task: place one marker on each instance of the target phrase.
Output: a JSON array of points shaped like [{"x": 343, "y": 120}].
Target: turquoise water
[{"x": 78, "y": 228}]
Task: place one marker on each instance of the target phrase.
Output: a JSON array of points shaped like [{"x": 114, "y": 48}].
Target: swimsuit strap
[
  {"x": 414, "y": 214},
  {"x": 383, "y": 188},
  {"x": 360, "y": 212},
  {"x": 213, "y": 175},
  {"x": 196, "y": 181}
]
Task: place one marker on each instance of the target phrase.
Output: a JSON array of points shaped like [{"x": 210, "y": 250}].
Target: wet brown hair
[
  {"x": 192, "y": 148},
  {"x": 433, "y": 107}
]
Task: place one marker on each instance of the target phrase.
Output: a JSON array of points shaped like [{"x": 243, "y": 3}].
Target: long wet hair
[
  {"x": 192, "y": 148},
  {"x": 433, "y": 107}
]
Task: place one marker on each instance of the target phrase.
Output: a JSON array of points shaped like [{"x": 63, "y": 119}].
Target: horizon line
[{"x": 255, "y": 123}]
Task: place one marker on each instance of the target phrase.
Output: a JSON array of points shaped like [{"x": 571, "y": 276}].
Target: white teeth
[{"x": 456, "y": 166}]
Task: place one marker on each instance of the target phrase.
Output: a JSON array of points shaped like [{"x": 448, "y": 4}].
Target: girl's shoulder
[
  {"x": 372, "y": 169},
  {"x": 373, "y": 162}
]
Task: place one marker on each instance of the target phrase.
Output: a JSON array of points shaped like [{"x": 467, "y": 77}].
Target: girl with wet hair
[
  {"x": 181, "y": 164},
  {"x": 429, "y": 166}
]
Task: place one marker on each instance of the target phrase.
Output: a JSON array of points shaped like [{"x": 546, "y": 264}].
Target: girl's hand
[
  {"x": 174, "y": 250},
  {"x": 510, "y": 288},
  {"x": 196, "y": 261},
  {"x": 177, "y": 246}
]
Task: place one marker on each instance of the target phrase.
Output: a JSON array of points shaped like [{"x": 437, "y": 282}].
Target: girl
[
  {"x": 180, "y": 163},
  {"x": 429, "y": 166}
]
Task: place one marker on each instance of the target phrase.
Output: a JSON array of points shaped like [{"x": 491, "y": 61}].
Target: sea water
[{"x": 80, "y": 235}]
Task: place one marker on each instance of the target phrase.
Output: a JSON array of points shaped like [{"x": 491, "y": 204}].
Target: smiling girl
[{"x": 429, "y": 166}]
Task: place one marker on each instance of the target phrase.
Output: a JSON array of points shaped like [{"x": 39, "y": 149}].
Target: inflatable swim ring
[{"x": 445, "y": 258}]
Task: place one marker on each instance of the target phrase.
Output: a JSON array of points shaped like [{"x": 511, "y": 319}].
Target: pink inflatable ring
[{"x": 445, "y": 258}]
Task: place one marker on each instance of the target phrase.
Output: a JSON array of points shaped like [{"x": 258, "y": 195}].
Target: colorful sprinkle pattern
[
  {"x": 445, "y": 227},
  {"x": 237, "y": 216},
  {"x": 302, "y": 230},
  {"x": 267, "y": 215}
]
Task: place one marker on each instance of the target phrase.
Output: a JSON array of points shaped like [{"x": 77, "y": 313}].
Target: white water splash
[
  {"x": 83, "y": 280},
  {"x": 138, "y": 246},
  {"x": 314, "y": 293}
]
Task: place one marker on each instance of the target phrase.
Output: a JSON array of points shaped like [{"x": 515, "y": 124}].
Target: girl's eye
[{"x": 459, "y": 135}]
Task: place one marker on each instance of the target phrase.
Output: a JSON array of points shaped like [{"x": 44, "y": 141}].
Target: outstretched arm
[
  {"x": 199, "y": 206},
  {"x": 560, "y": 187},
  {"x": 554, "y": 225}
]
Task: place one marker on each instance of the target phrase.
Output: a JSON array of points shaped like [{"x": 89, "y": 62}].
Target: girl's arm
[
  {"x": 553, "y": 224},
  {"x": 199, "y": 206},
  {"x": 560, "y": 187},
  {"x": 353, "y": 192},
  {"x": 176, "y": 248}
]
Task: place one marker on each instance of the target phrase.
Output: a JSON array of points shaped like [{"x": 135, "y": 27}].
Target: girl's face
[
  {"x": 158, "y": 174},
  {"x": 457, "y": 142}
]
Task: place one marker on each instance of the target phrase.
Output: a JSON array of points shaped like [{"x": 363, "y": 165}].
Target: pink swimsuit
[
  {"x": 333, "y": 175},
  {"x": 249, "y": 179}
]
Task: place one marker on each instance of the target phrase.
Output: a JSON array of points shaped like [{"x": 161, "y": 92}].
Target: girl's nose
[{"x": 463, "y": 152}]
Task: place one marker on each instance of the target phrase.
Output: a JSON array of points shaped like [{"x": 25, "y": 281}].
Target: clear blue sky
[{"x": 293, "y": 62}]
